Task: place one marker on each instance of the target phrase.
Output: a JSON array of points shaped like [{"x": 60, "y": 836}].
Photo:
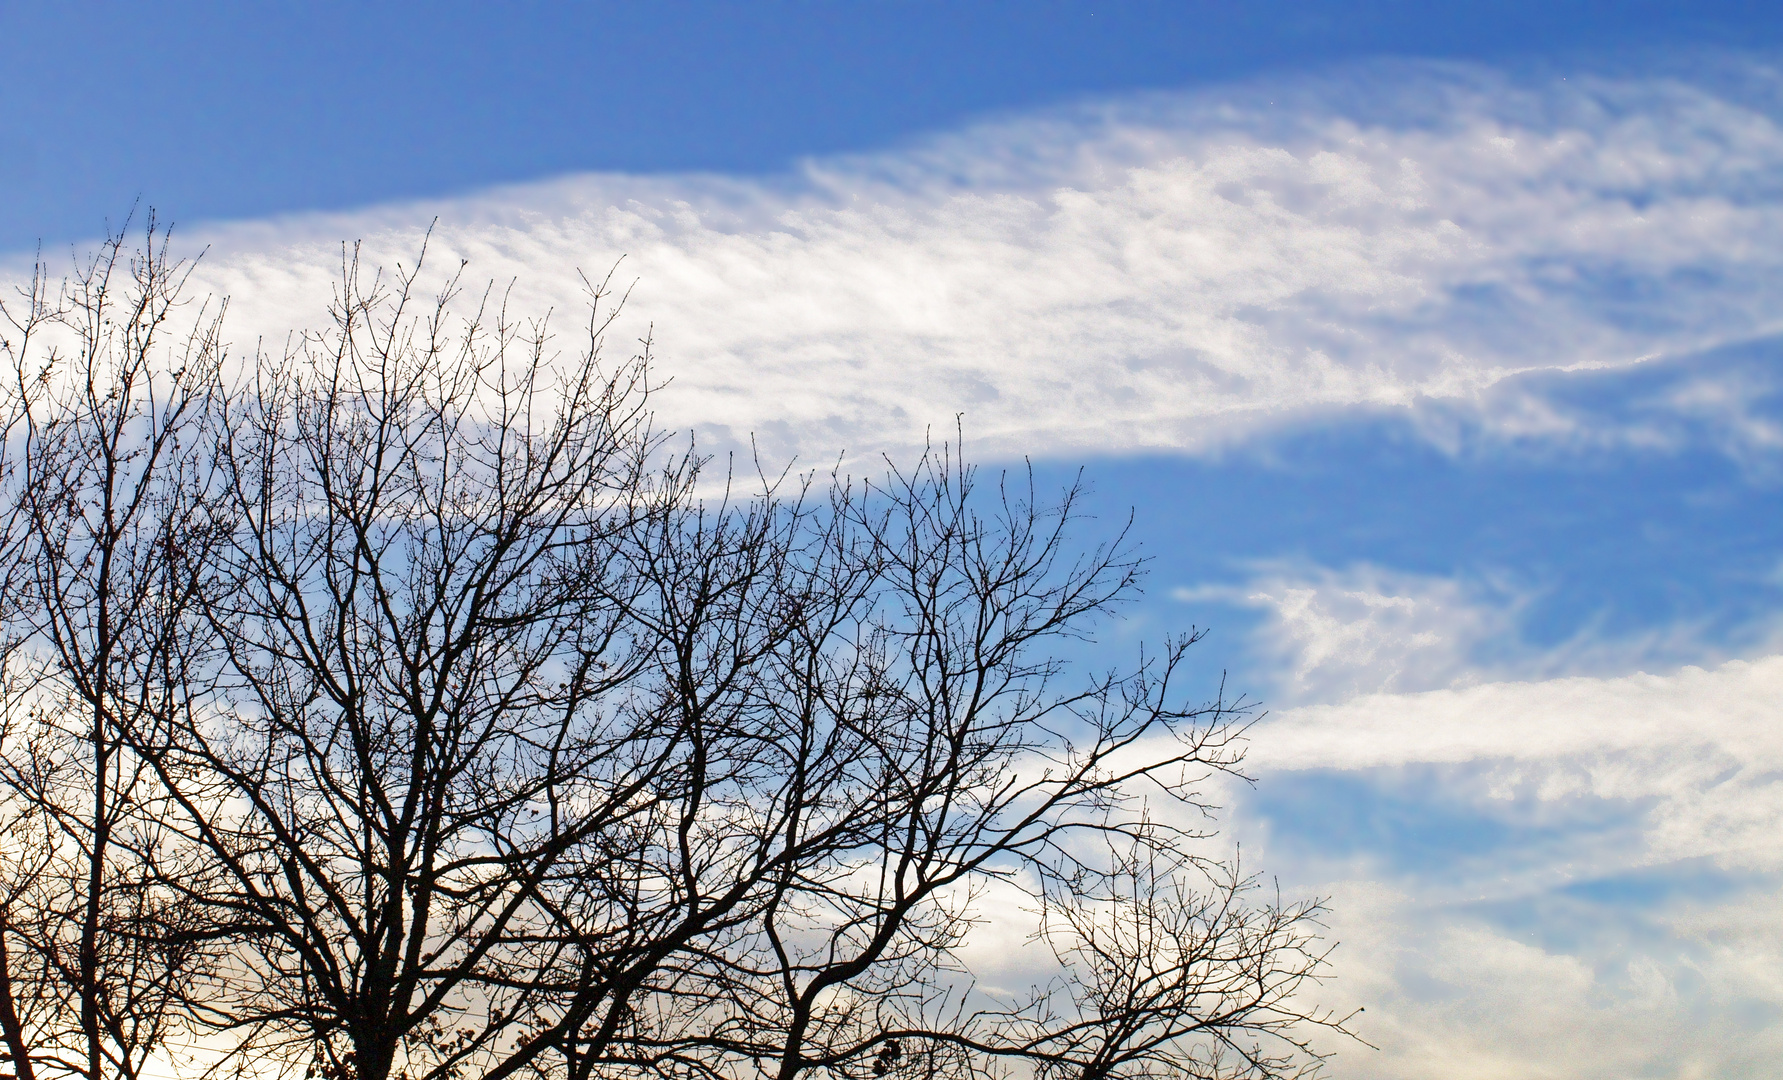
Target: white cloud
[
  {"x": 1330, "y": 635},
  {"x": 1456, "y": 997},
  {"x": 1734, "y": 711},
  {"x": 1535, "y": 957},
  {"x": 1488, "y": 963},
  {"x": 1164, "y": 272}
]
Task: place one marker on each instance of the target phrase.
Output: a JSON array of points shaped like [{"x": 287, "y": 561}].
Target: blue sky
[
  {"x": 215, "y": 110},
  {"x": 1436, "y": 350}
]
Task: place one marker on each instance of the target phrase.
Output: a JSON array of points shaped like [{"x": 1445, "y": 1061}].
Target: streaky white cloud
[
  {"x": 1735, "y": 709},
  {"x": 1596, "y": 894},
  {"x": 1164, "y": 271},
  {"x": 1452, "y": 996},
  {"x": 1590, "y": 886},
  {"x": 1703, "y": 747},
  {"x": 1726, "y": 398},
  {"x": 1332, "y": 634},
  {"x": 1537, "y": 868},
  {"x": 1329, "y": 634}
]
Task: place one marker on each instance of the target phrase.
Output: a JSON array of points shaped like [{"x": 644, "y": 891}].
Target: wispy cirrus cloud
[
  {"x": 1570, "y": 877},
  {"x": 1683, "y": 988},
  {"x": 1331, "y": 635},
  {"x": 1543, "y": 860},
  {"x": 1163, "y": 272},
  {"x": 1707, "y": 737},
  {"x": 1327, "y": 635}
]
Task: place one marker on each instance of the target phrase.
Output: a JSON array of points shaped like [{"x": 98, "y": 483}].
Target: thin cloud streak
[
  {"x": 1157, "y": 273},
  {"x": 1328, "y": 636},
  {"x": 1706, "y": 741},
  {"x": 1606, "y": 903}
]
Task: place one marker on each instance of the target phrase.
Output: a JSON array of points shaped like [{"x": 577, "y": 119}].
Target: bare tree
[
  {"x": 877, "y": 724},
  {"x": 1171, "y": 967},
  {"x": 112, "y": 382},
  {"x": 483, "y": 734},
  {"x": 420, "y": 635},
  {"x": 23, "y": 317},
  {"x": 27, "y": 851}
]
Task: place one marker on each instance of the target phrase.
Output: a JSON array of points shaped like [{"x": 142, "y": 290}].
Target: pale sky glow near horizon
[{"x": 1437, "y": 356}]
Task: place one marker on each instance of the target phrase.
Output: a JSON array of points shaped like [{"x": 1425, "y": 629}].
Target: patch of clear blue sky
[
  {"x": 1431, "y": 819},
  {"x": 223, "y": 110}
]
